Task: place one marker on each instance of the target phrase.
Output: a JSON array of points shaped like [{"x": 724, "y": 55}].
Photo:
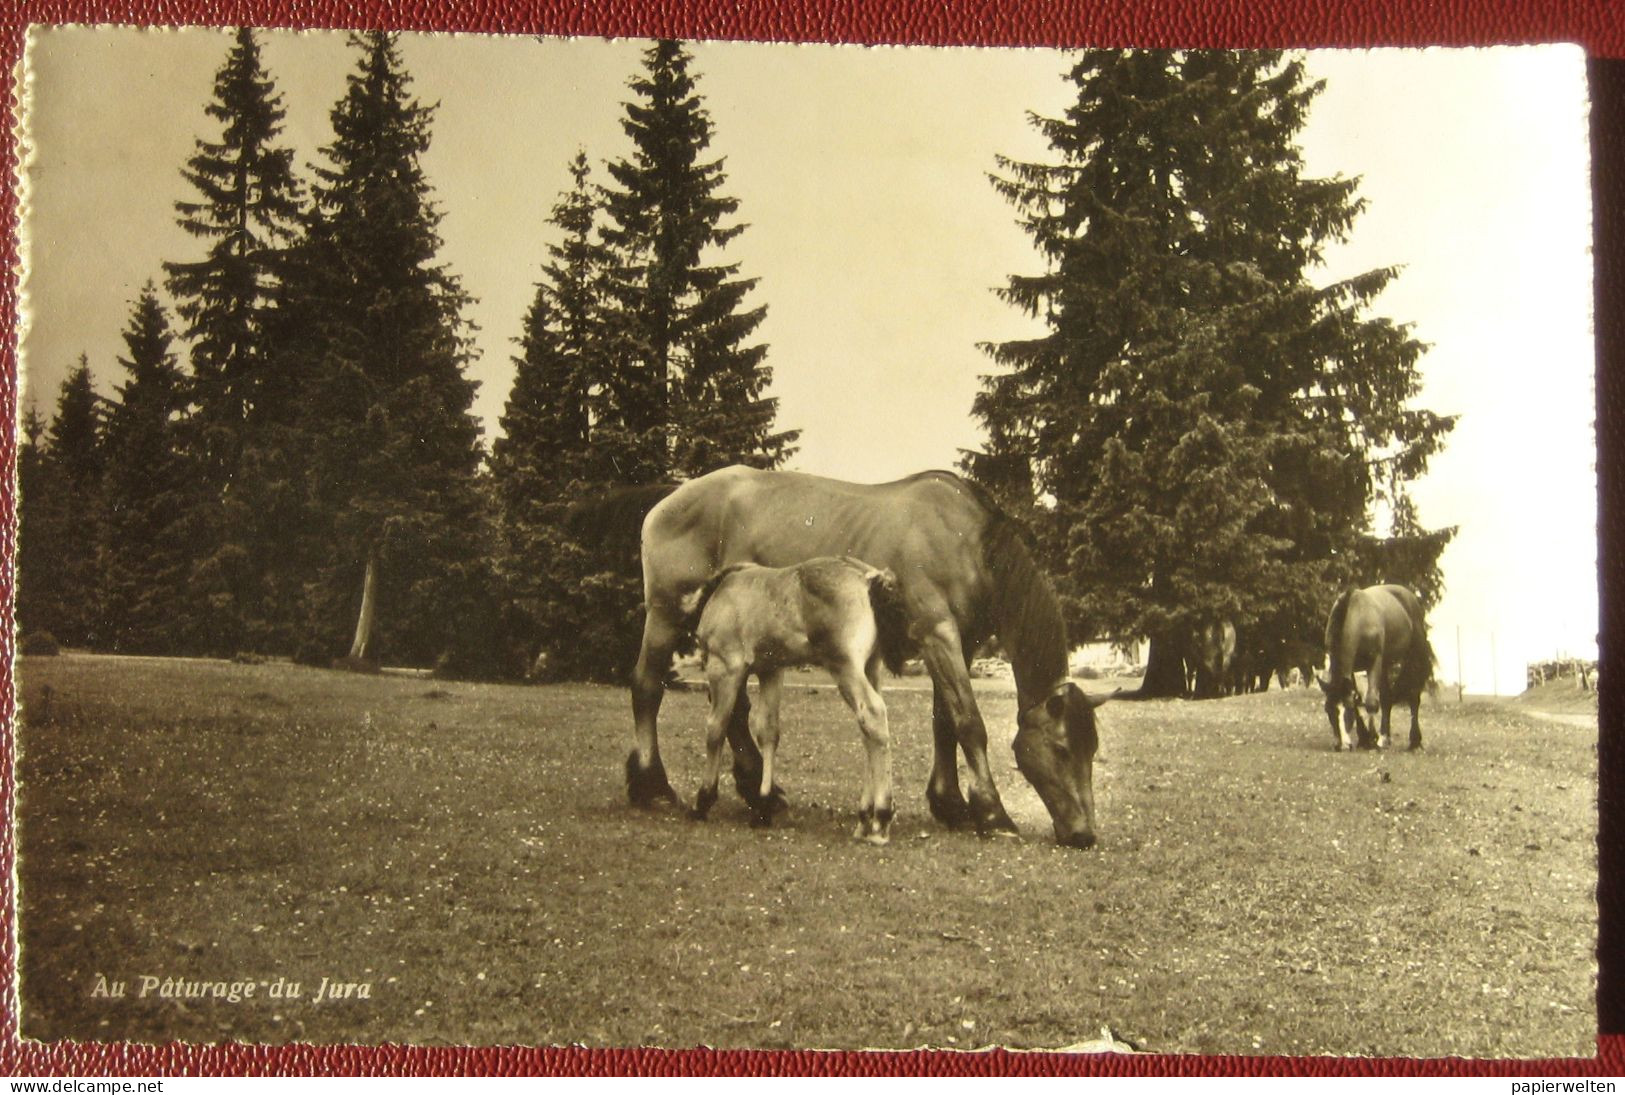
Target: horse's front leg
[
  {"x": 1416, "y": 727},
  {"x": 646, "y": 782},
  {"x": 1372, "y": 704},
  {"x": 942, "y": 792},
  {"x": 764, "y": 721},
  {"x": 945, "y": 658}
]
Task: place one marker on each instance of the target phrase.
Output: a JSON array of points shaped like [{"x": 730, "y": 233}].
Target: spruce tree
[
  {"x": 1201, "y": 430},
  {"x": 563, "y": 434},
  {"x": 558, "y": 402},
  {"x": 75, "y": 461},
  {"x": 151, "y": 498},
  {"x": 688, "y": 387},
  {"x": 393, "y": 515},
  {"x": 247, "y": 209},
  {"x": 38, "y": 530}
]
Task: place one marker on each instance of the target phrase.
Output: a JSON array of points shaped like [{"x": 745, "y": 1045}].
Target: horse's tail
[
  {"x": 613, "y": 522},
  {"x": 1428, "y": 659},
  {"x": 891, "y": 619},
  {"x": 1431, "y": 660}
]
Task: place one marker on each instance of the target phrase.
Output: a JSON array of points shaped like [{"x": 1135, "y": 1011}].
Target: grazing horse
[
  {"x": 963, "y": 575},
  {"x": 1379, "y": 630},
  {"x": 840, "y": 614},
  {"x": 1213, "y": 650}
]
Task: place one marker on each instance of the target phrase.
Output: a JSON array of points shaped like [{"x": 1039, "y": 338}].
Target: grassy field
[{"x": 465, "y": 852}]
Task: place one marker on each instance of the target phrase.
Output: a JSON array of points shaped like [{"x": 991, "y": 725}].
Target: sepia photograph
[{"x": 545, "y": 541}]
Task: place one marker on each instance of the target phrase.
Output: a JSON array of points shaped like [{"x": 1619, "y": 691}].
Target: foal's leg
[
  {"x": 747, "y": 760},
  {"x": 875, "y": 809},
  {"x": 725, "y": 683},
  {"x": 646, "y": 781},
  {"x": 764, "y": 725}
]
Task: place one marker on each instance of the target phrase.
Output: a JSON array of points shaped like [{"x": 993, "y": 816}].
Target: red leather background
[{"x": 1599, "y": 25}]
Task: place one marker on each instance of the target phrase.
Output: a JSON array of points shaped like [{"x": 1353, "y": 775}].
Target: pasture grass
[{"x": 466, "y": 851}]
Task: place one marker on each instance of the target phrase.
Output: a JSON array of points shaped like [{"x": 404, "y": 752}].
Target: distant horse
[
  {"x": 1379, "y": 630},
  {"x": 840, "y": 614},
  {"x": 1297, "y": 657},
  {"x": 1213, "y": 656},
  {"x": 963, "y": 574}
]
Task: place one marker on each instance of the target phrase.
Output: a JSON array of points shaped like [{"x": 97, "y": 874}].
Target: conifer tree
[
  {"x": 38, "y": 531},
  {"x": 558, "y": 401},
  {"x": 75, "y": 461},
  {"x": 393, "y": 515},
  {"x": 563, "y": 434},
  {"x": 1201, "y": 430},
  {"x": 688, "y": 387},
  {"x": 247, "y": 209},
  {"x": 151, "y": 498}
]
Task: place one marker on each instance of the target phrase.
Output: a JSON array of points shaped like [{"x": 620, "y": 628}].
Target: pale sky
[{"x": 861, "y": 173}]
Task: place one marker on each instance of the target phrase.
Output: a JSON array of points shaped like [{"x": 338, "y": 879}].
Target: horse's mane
[
  {"x": 1334, "y": 634},
  {"x": 614, "y": 521},
  {"x": 1025, "y": 614}
]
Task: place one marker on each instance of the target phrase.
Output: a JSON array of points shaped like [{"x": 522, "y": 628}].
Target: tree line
[{"x": 290, "y": 465}]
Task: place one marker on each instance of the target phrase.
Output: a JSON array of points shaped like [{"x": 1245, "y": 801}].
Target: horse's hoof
[
  {"x": 647, "y": 788},
  {"x": 773, "y": 803},
  {"x": 950, "y": 810},
  {"x": 703, "y": 802},
  {"x": 996, "y": 823},
  {"x": 879, "y": 840}
]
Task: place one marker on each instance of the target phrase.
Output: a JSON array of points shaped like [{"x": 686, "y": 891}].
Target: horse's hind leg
[
  {"x": 765, "y": 729},
  {"x": 646, "y": 781}
]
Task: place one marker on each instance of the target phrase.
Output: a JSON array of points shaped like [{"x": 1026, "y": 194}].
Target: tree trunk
[
  {"x": 1164, "y": 671},
  {"x": 369, "y": 598}
]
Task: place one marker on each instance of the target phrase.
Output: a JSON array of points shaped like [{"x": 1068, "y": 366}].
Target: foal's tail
[
  {"x": 693, "y": 604},
  {"x": 891, "y": 619}
]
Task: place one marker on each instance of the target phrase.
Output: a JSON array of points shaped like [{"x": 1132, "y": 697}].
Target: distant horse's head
[
  {"x": 1345, "y": 695},
  {"x": 1055, "y": 749}
]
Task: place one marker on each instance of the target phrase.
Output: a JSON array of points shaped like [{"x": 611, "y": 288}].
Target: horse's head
[
  {"x": 1055, "y": 749},
  {"x": 1342, "y": 694}
]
